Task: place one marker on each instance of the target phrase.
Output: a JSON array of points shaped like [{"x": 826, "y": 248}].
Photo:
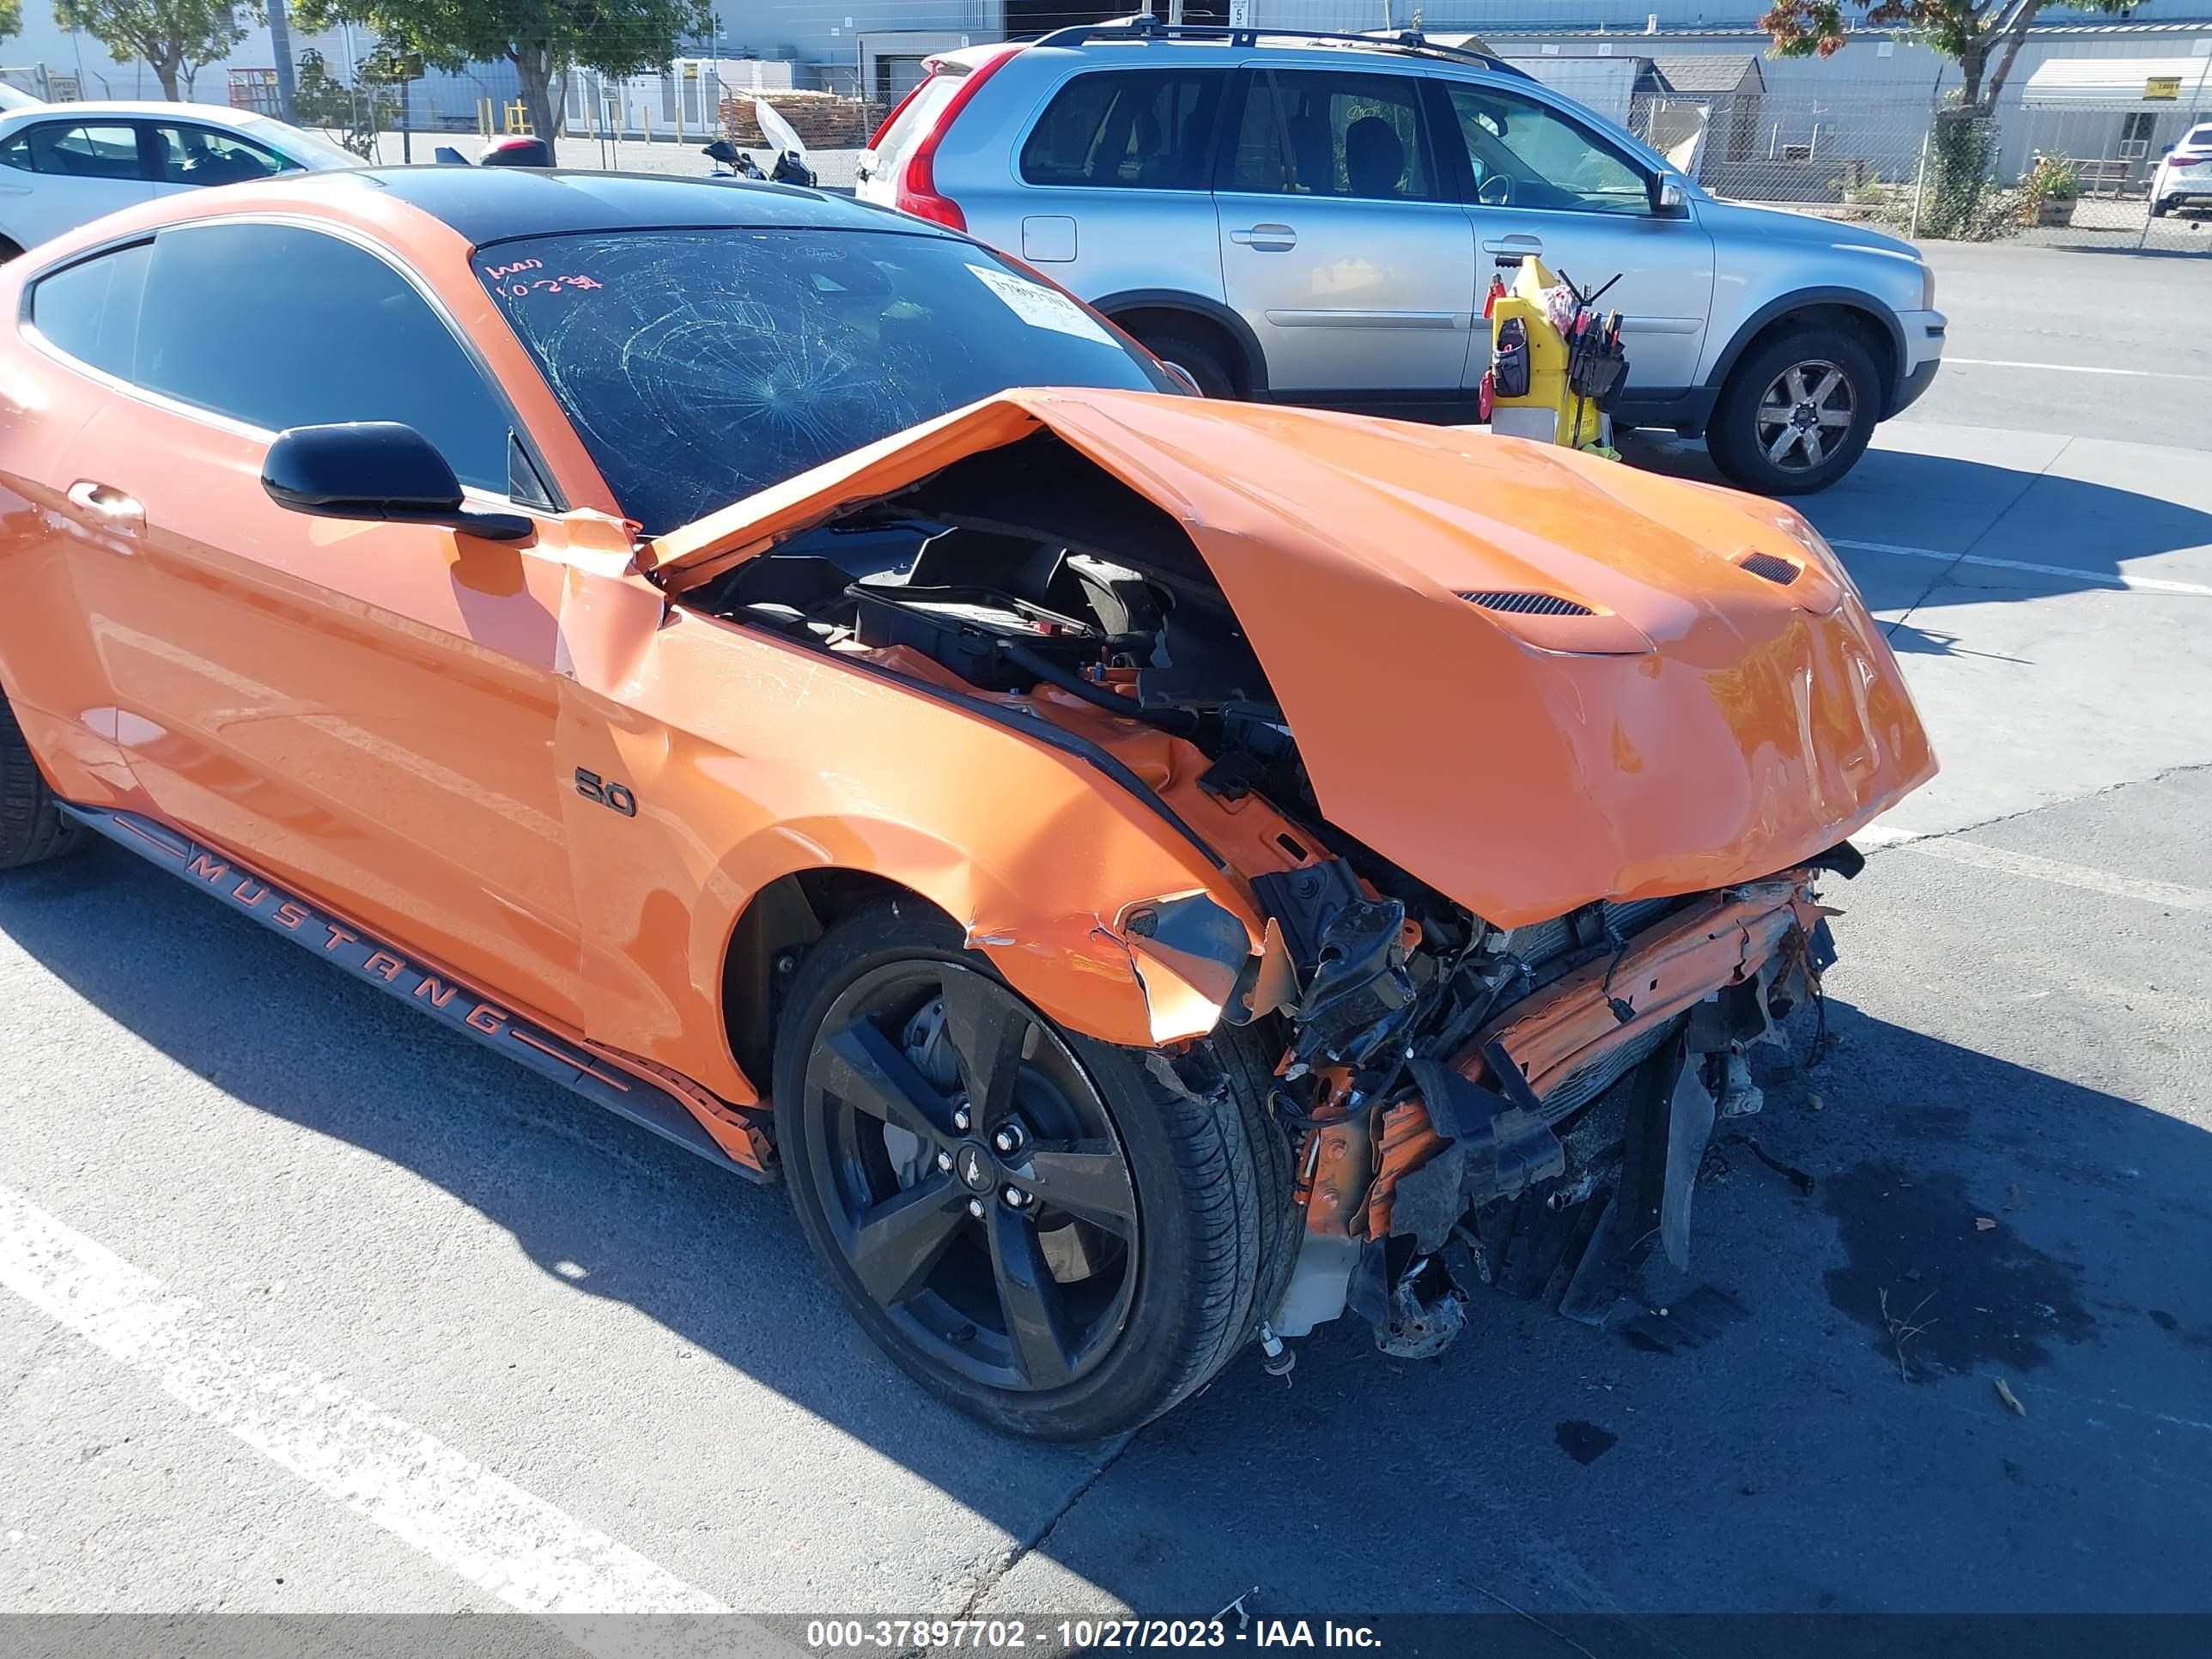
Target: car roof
[
  {"x": 222, "y": 115},
  {"x": 494, "y": 205},
  {"x": 1176, "y": 42}
]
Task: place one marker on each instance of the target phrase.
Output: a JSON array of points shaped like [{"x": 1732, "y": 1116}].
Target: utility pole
[{"x": 280, "y": 44}]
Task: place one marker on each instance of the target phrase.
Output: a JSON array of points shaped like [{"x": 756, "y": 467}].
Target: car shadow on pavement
[
  {"x": 1933, "y": 507},
  {"x": 1805, "y": 1457}
]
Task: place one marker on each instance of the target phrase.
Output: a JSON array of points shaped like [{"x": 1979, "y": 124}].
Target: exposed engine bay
[
  {"x": 1528, "y": 1103},
  {"x": 1071, "y": 581}
]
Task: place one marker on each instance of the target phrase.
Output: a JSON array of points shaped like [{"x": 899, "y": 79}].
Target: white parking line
[
  {"x": 2075, "y": 369},
  {"x": 2171, "y": 895},
  {"x": 492, "y": 1533},
  {"x": 2140, "y": 584}
]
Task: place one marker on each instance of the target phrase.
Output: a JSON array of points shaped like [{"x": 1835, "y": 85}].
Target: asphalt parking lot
[{"x": 312, "y": 1308}]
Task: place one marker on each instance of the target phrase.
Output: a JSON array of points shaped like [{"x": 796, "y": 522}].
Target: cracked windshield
[{"x": 699, "y": 366}]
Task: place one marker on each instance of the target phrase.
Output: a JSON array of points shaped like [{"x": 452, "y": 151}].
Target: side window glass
[
  {"x": 1524, "y": 155},
  {"x": 90, "y": 310},
  {"x": 327, "y": 332},
  {"x": 202, "y": 155},
  {"x": 1128, "y": 128},
  {"x": 1359, "y": 136},
  {"x": 74, "y": 151}
]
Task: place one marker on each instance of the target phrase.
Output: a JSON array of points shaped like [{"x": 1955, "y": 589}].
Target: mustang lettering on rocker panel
[{"x": 389, "y": 969}]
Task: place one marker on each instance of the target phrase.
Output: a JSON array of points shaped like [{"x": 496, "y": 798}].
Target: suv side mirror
[
  {"x": 1668, "y": 199},
  {"x": 376, "y": 470}
]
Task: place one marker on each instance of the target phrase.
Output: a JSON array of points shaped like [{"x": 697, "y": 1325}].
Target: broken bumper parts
[{"x": 1552, "y": 1146}]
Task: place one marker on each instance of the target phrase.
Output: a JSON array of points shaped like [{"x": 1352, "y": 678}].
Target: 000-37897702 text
[{"x": 1083, "y": 1635}]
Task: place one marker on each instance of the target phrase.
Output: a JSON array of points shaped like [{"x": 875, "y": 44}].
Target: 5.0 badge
[{"x": 591, "y": 787}]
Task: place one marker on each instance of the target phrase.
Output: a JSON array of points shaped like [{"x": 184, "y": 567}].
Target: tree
[
  {"x": 541, "y": 38},
  {"x": 1984, "y": 38},
  {"x": 11, "y": 17},
  {"x": 176, "y": 37},
  {"x": 354, "y": 114}
]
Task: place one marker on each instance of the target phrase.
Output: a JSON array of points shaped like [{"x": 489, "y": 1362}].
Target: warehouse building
[{"x": 2125, "y": 86}]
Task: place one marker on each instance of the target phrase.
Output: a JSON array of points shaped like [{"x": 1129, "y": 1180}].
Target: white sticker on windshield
[{"x": 1040, "y": 307}]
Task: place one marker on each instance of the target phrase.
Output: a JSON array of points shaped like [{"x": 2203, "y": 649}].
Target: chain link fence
[
  {"x": 2075, "y": 175},
  {"x": 2072, "y": 176},
  {"x": 2064, "y": 176},
  {"x": 635, "y": 123}
]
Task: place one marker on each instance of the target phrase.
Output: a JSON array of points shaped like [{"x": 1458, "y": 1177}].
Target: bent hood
[{"x": 1531, "y": 677}]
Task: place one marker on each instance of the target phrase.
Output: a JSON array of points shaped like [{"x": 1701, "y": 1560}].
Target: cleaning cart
[{"x": 1556, "y": 364}]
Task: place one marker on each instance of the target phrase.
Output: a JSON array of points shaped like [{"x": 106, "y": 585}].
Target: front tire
[
  {"x": 1052, "y": 1234},
  {"x": 32, "y": 826},
  {"x": 1796, "y": 414}
]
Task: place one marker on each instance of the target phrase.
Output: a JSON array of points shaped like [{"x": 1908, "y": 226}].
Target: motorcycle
[
  {"x": 730, "y": 161},
  {"x": 790, "y": 167}
]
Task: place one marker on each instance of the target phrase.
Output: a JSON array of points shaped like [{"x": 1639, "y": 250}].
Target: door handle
[
  {"x": 1516, "y": 245},
  {"x": 114, "y": 509},
  {"x": 1267, "y": 239}
]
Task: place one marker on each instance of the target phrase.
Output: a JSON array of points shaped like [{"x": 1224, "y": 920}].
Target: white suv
[
  {"x": 1315, "y": 219},
  {"x": 2183, "y": 178}
]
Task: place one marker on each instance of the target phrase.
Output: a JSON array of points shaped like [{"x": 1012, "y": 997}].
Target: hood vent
[
  {"x": 1780, "y": 572},
  {"x": 1530, "y": 604}
]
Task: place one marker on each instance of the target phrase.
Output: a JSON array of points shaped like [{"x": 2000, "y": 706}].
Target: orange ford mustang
[{"x": 1150, "y": 873}]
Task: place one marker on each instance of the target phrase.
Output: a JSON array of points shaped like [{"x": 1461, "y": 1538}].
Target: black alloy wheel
[
  {"x": 1049, "y": 1232},
  {"x": 973, "y": 1179}
]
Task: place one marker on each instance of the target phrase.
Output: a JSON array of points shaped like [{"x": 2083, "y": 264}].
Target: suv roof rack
[{"x": 1147, "y": 27}]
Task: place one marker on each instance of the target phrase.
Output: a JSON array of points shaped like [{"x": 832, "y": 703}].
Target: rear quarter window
[{"x": 89, "y": 310}]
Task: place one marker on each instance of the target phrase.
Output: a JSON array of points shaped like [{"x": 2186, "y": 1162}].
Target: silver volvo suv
[{"x": 1315, "y": 219}]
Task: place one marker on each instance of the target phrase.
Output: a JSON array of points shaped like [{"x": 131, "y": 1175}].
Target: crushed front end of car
[
  {"x": 1533, "y": 1103},
  {"x": 1518, "y": 775}
]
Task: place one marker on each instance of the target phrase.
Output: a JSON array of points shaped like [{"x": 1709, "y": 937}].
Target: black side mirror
[
  {"x": 376, "y": 470},
  {"x": 1668, "y": 199},
  {"x": 721, "y": 150}
]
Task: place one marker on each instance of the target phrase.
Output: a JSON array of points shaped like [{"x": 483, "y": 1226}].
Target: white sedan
[
  {"x": 2183, "y": 178},
  {"x": 62, "y": 164}
]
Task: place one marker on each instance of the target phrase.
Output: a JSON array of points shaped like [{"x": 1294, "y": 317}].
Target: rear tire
[
  {"x": 1150, "y": 1212},
  {"x": 1201, "y": 361},
  {"x": 32, "y": 826},
  {"x": 1787, "y": 396}
]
